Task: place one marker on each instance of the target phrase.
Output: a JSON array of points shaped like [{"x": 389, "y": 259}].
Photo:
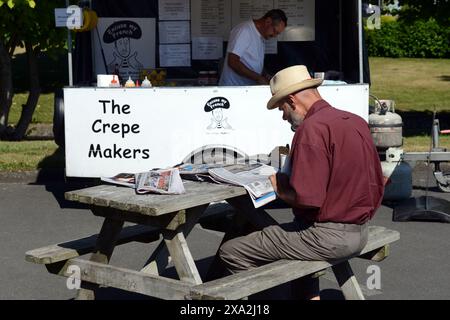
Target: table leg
[
  {"x": 159, "y": 260},
  {"x": 347, "y": 281},
  {"x": 104, "y": 248},
  {"x": 182, "y": 257}
]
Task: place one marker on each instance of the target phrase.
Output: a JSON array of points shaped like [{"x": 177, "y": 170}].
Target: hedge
[{"x": 420, "y": 39}]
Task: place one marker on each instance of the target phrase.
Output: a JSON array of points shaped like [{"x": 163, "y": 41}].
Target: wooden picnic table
[{"x": 173, "y": 217}]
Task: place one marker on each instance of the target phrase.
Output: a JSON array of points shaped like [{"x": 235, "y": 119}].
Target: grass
[
  {"x": 422, "y": 143},
  {"x": 414, "y": 84},
  {"x": 29, "y": 155},
  {"x": 43, "y": 112}
]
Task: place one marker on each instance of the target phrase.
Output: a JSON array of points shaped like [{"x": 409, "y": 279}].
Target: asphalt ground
[{"x": 35, "y": 215}]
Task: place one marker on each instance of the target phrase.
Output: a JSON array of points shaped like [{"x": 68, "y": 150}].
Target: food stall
[{"x": 179, "y": 45}]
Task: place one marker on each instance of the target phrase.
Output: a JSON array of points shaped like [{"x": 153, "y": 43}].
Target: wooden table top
[{"x": 126, "y": 199}]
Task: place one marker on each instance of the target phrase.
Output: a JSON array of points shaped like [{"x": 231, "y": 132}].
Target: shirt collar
[{"x": 316, "y": 107}]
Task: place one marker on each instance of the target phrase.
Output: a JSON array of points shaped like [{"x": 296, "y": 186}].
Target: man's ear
[{"x": 290, "y": 101}]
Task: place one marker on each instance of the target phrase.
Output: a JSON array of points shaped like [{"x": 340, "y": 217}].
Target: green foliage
[
  {"x": 27, "y": 20},
  {"x": 412, "y": 10},
  {"x": 11, "y": 3},
  {"x": 416, "y": 39}
]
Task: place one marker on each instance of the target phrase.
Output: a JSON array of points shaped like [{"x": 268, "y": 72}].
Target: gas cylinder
[{"x": 386, "y": 126}]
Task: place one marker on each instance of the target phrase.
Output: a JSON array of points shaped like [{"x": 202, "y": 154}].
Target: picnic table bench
[{"x": 173, "y": 217}]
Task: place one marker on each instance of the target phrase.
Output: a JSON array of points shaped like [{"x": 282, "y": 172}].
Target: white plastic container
[{"x": 104, "y": 80}]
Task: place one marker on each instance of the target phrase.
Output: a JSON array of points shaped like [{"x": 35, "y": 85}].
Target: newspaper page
[
  {"x": 160, "y": 181},
  {"x": 253, "y": 177},
  {"x": 198, "y": 171},
  {"x": 123, "y": 179}
]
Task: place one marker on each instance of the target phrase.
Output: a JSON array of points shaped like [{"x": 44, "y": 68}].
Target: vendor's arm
[{"x": 234, "y": 62}]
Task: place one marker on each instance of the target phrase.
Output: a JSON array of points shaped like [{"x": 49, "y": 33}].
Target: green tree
[
  {"x": 30, "y": 25},
  {"x": 412, "y": 10}
]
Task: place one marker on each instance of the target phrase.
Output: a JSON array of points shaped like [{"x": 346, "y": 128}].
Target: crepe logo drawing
[
  {"x": 125, "y": 58},
  {"x": 217, "y": 106}
]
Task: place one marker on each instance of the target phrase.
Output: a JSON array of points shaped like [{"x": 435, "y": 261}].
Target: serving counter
[{"x": 113, "y": 130}]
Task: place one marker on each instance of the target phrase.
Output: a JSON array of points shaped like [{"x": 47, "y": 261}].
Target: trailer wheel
[
  {"x": 444, "y": 187},
  {"x": 58, "y": 118},
  {"x": 215, "y": 154}
]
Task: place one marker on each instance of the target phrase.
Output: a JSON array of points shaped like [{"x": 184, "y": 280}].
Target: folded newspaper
[
  {"x": 123, "y": 179},
  {"x": 165, "y": 181},
  {"x": 253, "y": 177}
]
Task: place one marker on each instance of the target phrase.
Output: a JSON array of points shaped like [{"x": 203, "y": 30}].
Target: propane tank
[
  {"x": 400, "y": 176},
  {"x": 386, "y": 125}
]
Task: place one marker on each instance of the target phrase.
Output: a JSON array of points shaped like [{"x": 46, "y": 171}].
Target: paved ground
[{"x": 35, "y": 215}]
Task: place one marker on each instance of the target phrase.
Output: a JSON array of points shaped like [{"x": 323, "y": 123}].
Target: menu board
[
  {"x": 174, "y": 32},
  {"x": 271, "y": 46},
  {"x": 301, "y": 19},
  {"x": 175, "y": 55},
  {"x": 174, "y": 10},
  {"x": 242, "y": 10},
  {"x": 207, "y": 48},
  {"x": 211, "y": 18}
]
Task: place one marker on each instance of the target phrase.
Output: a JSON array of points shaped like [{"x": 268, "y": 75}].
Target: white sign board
[
  {"x": 211, "y": 18},
  {"x": 174, "y": 10},
  {"x": 207, "y": 48},
  {"x": 174, "y": 32},
  {"x": 243, "y": 10},
  {"x": 128, "y": 44},
  {"x": 70, "y": 17},
  {"x": 113, "y": 130},
  {"x": 175, "y": 55},
  {"x": 301, "y": 19},
  {"x": 271, "y": 46}
]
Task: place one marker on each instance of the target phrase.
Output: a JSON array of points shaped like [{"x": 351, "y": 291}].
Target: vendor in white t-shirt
[{"x": 244, "y": 62}]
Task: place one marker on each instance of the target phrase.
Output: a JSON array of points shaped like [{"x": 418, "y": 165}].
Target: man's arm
[
  {"x": 283, "y": 189},
  {"x": 234, "y": 61}
]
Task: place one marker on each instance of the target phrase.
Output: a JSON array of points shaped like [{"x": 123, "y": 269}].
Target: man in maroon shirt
[{"x": 334, "y": 187}]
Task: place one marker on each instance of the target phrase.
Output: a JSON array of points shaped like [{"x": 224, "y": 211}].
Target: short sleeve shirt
[
  {"x": 246, "y": 42},
  {"x": 335, "y": 167}
]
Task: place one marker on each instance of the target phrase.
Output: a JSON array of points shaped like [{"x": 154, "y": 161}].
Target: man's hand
[
  {"x": 273, "y": 181},
  {"x": 281, "y": 186},
  {"x": 283, "y": 189}
]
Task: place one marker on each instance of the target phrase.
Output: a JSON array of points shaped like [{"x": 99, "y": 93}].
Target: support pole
[
  {"x": 360, "y": 35},
  {"x": 69, "y": 51}
]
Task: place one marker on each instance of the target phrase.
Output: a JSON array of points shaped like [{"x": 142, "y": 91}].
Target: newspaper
[
  {"x": 166, "y": 181},
  {"x": 123, "y": 179},
  {"x": 198, "y": 172},
  {"x": 253, "y": 177}
]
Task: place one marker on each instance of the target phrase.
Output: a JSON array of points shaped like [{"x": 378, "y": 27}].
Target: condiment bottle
[
  {"x": 114, "y": 82},
  {"x": 129, "y": 83},
  {"x": 146, "y": 83}
]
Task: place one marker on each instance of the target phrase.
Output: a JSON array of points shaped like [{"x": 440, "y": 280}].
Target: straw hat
[{"x": 288, "y": 81}]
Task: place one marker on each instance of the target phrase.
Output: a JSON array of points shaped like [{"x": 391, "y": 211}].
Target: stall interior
[{"x": 333, "y": 50}]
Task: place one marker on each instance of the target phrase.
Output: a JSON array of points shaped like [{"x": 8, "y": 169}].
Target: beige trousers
[{"x": 295, "y": 241}]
